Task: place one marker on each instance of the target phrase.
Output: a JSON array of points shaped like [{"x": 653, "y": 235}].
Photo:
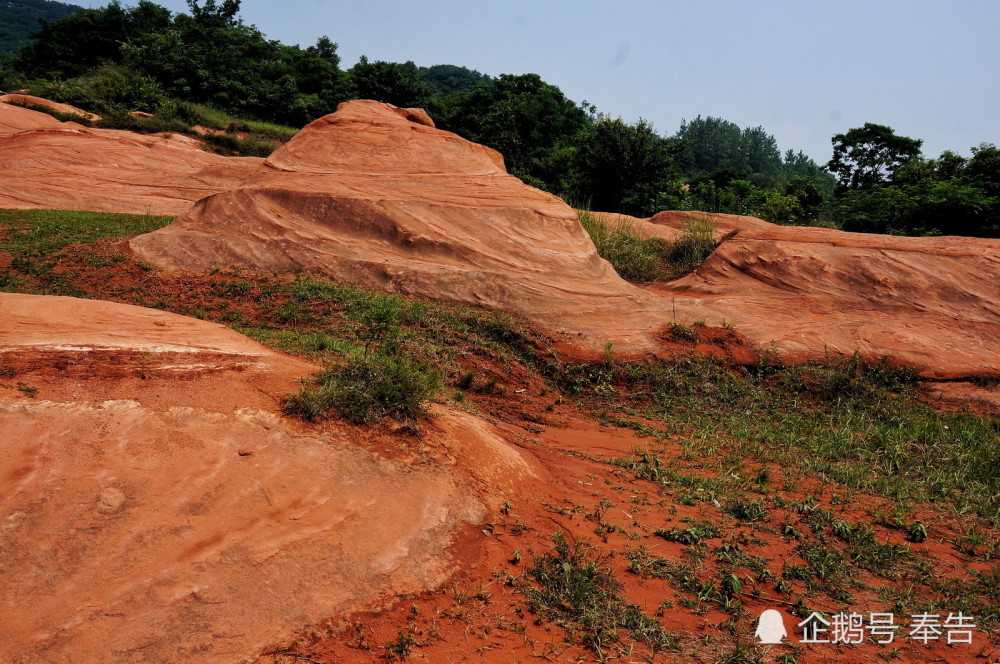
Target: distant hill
[
  {"x": 444, "y": 79},
  {"x": 19, "y": 18}
]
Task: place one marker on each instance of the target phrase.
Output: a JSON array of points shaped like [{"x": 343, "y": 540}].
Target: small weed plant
[{"x": 573, "y": 587}]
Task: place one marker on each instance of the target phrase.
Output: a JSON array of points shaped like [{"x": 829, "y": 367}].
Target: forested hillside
[
  {"x": 19, "y": 18},
  {"x": 208, "y": 67}
]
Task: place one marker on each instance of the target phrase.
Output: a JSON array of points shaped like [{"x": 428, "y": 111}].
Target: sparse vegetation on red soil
[{"x": 685, "y": 494}]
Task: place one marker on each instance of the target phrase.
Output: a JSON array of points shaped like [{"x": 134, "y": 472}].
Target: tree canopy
[
  {"x": 445, "y": 79},
  {"x": 714, "y": 143},
  {"x": 523, "y": 117},
  {"x": 390, "y": 82},
  {"x": 624, "y": 167},
  {"x": 868, "y": 156}
]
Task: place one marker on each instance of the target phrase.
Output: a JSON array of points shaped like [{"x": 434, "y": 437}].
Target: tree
[
  {"x": 326, "y": 49},
  {"x": 211, "y": 15},
  {"x": 445, "y": 79},
  {"x": 530, "y": 122},
  {"x": 80, "y": 42},
  {"x": 797, "y": 201},
  {"x": 950, "y": 195},
  {"x": 983, "y": 169},
  {"x": 226, "y": 64},
  {"x": 19, "y": 19},
  {"x": 714, "y": 143},
  {"x": 868, "y": 156},
  {"x": 389, "y": 82},
  {"x": 759, "y": 153},
  {"x": 623, "y": 167}
]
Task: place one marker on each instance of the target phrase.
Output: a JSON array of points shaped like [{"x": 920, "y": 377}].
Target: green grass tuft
[
  {"x": 577, "y": 591},
  {"x": 647, "y": 259}
]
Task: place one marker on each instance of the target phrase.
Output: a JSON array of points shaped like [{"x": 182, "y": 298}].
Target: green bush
[
  {"x": 368, "y": 389},
  {"x": 106, "y": 90}
]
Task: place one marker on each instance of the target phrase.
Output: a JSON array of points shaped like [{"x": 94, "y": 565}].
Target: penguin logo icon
[{"x": 771, "y": 627}]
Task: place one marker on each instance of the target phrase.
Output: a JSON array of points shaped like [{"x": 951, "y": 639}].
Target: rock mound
[
  {"x": 375, "y": 195},
  {"x": 16, "y": 98},
  {"x": 932, "y": 303},
  {"x": 157, "y": 508},
  {"x": 51, "y": 164}
]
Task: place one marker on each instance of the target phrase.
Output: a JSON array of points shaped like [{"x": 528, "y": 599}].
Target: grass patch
[
  {"x": 376, "y": 382},
  {"x": 647, "y": 259},
  {"x": 696, "y": 243},
  {"x": 58, "y": 115},
  {"x": 574, "y": 588},
  {"x": 239, "y": 146},
  {"x": 634, "y": 257},
  {"x": 44, "y": 232},
  {"x": 368, "y": 389},
  {"x": 854, "y": 422},
  {"x": 238, "y": 137},
  {"x": 33, "y": 238}
]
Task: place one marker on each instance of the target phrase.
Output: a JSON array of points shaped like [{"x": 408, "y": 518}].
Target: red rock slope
[
  {"x": 933, "y": 303},
  {"x": 16, "y": 98},
  {"x": 157, "y": 508},
  {"x": 50, "y": 164},
  {"x": 375, "y": 195}
]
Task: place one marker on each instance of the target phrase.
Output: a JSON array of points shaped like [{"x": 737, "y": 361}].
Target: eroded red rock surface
[
  {"x": 156, "y": 507},
  {"x": 375, "y": 195},
  {"x": 62, "y": 165},
  {"x": 932, "y": 303}
]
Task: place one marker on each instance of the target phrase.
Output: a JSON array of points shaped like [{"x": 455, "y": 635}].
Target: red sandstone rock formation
[
  {"x": 49, "y": 164},
  {"x": 933, "y": 303},
  {"x": 156, "y": 507},
  {"x": 374, "y": 195}
]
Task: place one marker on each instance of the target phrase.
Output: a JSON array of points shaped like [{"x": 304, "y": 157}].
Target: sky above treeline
[{"x": 802, "y": 69}]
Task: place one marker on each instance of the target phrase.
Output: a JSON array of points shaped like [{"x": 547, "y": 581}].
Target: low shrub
[{"x": 367, "y": 389}]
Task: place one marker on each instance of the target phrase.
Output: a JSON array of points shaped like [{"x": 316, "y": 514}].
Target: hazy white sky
[{"x": 803, "y": 69}]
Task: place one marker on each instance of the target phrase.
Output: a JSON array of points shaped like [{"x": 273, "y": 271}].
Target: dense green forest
[
  {"x": 185, "y": 67},
  {"x": 19, "y": 18}
]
